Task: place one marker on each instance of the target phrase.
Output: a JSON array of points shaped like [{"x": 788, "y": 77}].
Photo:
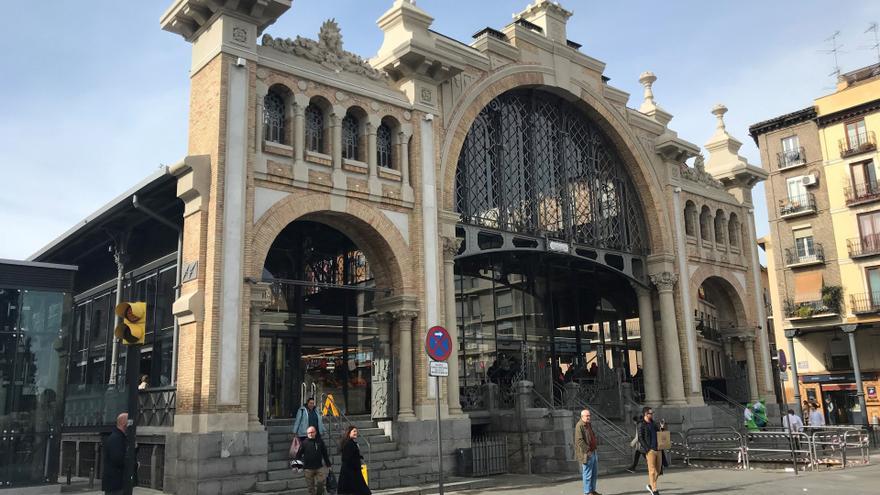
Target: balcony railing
[
  {"x": 868, "y": 302},
  {"x": 863, "y": 143},
  {"x": 791, "y": 158},
  {"x": 792, "y": 257},
  {"x": 807, "y": 309},
  {"x": 862, "y": 193},
  {"x": 797, "y": 205},
  {"x": 868, "y": 245}
]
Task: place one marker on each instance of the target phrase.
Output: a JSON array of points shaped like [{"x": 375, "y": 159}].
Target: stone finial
[
  {"x": 549, "y": 16},
  {"x": 647, "y": 80},
  {"x": 718, "y": 111}
]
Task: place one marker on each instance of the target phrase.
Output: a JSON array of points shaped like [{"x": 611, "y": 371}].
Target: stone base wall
[
  {"x": 215, "y": 463},
  {"x": 418, "y": 439},
  {"x": 538, "y": 440}
]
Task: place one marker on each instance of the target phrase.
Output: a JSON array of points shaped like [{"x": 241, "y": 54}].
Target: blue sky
[{"x": 94, "y": 95}]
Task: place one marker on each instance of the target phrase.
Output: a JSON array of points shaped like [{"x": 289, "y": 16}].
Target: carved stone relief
[{"x": 698, "y": 173}]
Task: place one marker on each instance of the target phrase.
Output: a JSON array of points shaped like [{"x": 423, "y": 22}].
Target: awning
[{"x": 808, "y": 286}]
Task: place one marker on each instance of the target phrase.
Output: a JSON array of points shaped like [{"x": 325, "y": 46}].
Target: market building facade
[{"x": 332, "y": 209}]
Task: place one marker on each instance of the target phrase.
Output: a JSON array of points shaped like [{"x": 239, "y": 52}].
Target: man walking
[
  {"x": 648, "y": 446},
  {"x": 312, "y": 452},
  {"x": 113, "y": 480},
  {"x": 585, "y": 452},
  {"x": 792, "y": 422}
]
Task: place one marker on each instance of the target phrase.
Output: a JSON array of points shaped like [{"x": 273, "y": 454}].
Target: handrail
[
  {"x": 724, "y": 397},
  {"x": 606, "y": 423},
  {"x": 328, "y": 398}
]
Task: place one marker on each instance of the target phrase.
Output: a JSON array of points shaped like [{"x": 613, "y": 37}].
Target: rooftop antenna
[
  {"x": 835, "y": 49},
  {"x": 872, "y": 28}
]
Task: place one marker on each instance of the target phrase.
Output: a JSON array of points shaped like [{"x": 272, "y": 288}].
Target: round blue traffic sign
[{"x": 438, "y": 344}]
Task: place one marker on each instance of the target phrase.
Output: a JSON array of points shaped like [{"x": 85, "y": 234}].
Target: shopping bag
[
  {"x": 364, "y": 472},
  {"x": 664, "y": 440},
  {"x": 294, "y": 446}
]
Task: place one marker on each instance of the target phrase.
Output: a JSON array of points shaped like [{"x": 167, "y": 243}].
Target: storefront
[{"x": 837, "y": 397}]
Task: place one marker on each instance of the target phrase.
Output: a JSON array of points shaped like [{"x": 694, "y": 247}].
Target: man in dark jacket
[
  {"x": 312, "y": 452},
  {"x": 648, "y": 446},
  {"x": 585, "y": 452},
  {"x": 113, "y": 480}
]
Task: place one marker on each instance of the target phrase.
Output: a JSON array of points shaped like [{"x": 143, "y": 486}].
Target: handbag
[
  {"x": 364, "y": 473},
  {"x": 664, "y": 440},
  {"x": 294, "y": 446},
  {"x": 331, "y": 482}
]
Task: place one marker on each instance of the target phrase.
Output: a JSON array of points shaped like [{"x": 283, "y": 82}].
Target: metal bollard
[{"x": 91, "y": 477}]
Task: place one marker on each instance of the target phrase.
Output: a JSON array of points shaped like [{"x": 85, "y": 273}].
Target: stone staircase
[
  {"x": 387, "y": 465},
  {"x": 615, "y": 453}
]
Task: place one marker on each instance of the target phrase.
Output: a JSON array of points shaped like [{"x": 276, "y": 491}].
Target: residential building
[{"x": 822, "y": 251}]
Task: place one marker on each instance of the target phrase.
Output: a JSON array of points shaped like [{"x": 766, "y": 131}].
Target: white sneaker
[{"x": 648, "y": 487}]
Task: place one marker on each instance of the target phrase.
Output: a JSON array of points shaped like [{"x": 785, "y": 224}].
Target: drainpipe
[{"x": 170, "y": 224}]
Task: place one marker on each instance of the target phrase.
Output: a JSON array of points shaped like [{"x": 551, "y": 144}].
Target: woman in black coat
[{"x": 351, "y": 481}]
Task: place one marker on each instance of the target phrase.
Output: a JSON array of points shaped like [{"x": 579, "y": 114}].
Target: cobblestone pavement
[{"x": 855, "y": 480}]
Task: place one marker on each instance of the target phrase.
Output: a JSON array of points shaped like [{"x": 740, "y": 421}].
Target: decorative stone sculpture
[
  {"x": 327, "y": 51},
  {"x": 698, "y": 173},
  {"x": 664, "y": 280}
]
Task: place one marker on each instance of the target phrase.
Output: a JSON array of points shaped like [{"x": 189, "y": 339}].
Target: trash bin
[{"x": 464, "y": 462}]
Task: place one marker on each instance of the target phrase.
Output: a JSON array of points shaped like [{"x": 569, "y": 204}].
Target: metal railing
[
  {"x": 861, "y": 193},
  {"x": 868, "y": 302},
  {"x": 715, "y": 444},
  {"x": 779, "y": 447},
  {"x": 339, "y": 421},
  {"x": 712, "y": 394},
  {"x": 791, "y": 158},
  {"x": 802, "y": 203},
  {"x": 489, "y": 455},
  {"x": 863, "y": 143},
  {"x": 792, "y": 257},
  {"x": 157, "y": 406},
  {"x": 605, "y": 424},
  {"x": 867, "y": 245},
  {"x": 809, "y": 309}
]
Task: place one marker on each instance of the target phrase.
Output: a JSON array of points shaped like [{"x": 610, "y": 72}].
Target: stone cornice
[
  {"x": 848, "y": 113},
  {"x": 781, "y": 122},
  {"x": 189, "y": 18}
]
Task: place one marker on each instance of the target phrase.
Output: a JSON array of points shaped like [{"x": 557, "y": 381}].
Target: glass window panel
[{"x": 165, "y": 298}]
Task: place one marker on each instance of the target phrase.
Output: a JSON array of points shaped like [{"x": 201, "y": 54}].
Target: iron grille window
[
  {"x": 273, "y": 118},
  {"x": 384, "y": 146},
  {"x": 350, "y": 137},
  {"x": 533, "y": 164},
  {"x": 314, "y": 129}
]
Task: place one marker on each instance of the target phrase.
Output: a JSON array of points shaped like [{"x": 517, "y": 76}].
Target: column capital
[
  {"x": 664, "y": 281},
  {"x": 405, "y": 314},
  {"x": 849, "y": 328},
  {"x": 791, "y": 333},
  {"x": 261, "y": 295},
  {"x": 451, "y": 246},
  {"x": 747, "y": 339},
  {"x": 383, "y": 317}
]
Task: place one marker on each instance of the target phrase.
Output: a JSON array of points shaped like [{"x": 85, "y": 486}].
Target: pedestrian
[
  {"x": 308, "y": 415},
  {"x": 144, "y": 383},
  {"x": 792, "y": 422},
  {"x": 315, "y": 460},
  {"x": 816, "y": 416},
  {"x": 113, "y": 479},
  {"x": 637, "y": 453},
  {"x": 351, "y": 478},
  {"x": 749, "y": 419},
  {"x": 585, "y": 452},
  {"x": 648, "y": 446}
]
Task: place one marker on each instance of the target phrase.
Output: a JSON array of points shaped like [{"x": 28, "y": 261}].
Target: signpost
[{"x": 439, "y": 347}]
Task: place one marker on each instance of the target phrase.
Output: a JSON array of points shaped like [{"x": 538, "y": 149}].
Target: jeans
[{"x": 590, "y": 473}]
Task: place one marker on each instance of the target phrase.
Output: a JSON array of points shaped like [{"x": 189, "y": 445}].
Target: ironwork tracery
[
  {"x": 534, "y": 164},
  {"x": 384, "y": 145},
  {"x": 350, "y": 137},
  {"x": 314, "y": 118},
  {"x": 273, "y": 117}
]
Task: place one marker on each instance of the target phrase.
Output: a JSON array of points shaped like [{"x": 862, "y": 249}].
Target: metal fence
[
  {"x": 490, "y": 454},
  {"x": 811, "y": 448}
]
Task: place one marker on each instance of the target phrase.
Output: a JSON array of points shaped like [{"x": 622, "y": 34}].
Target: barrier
[{"x": 715, "y": 444}]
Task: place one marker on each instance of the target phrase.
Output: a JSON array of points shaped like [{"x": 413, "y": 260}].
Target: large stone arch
[
  {"x": 730, "y": 287},
  {"x": 643, "y": 175},
  {"x": 373, "y": 232}
]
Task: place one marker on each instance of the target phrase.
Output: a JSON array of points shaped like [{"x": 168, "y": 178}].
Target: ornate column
[
  {"x": 451, "y": 246},
  {"x": 261, "y": 296},
  {"x": 650, "y": 361},
  {"x": 695, "y": 389},
  {"x": 298, "y": 110},
  {"x": 790, "y": 334},
  {"x": 382, "y": 379},
  {"x": 404, "y": 320},
  {"x": 672, "y": 372},
  {"x": 749, "y": 348},
  {"x": 338, "y": 177},
  {"x": 372, "y": 161}
]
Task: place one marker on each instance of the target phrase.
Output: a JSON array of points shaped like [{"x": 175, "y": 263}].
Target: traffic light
[{"x": 134, "y": 322}]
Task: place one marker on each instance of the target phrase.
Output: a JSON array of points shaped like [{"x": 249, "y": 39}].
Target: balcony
[
  {"x": 808, "y": 309},
  {"x": 795, "y": 206},
  {"x": 862, "y": 247},
  {"x": 791, "y": 158},
  {"x": 793, "y": 259},
  {"x": 866, "y": 303},
  {"x": 862, "y": 193},
  {"x": 864, "y": 142}
]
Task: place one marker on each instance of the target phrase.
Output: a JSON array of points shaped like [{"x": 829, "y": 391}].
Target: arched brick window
[
  {"x": 351, "y": 137},
  {"x": 690, "y": 218},
  {"x": 384, "y": 146},
  {"x": 314, "y": 128},
  {"x": 274, "y": 128}
]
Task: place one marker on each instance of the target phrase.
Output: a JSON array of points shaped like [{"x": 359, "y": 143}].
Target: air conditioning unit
[{"x": 809, "y": 180}]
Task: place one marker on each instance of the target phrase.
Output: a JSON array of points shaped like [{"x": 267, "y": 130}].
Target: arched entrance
[
  {"x": 553, "y": 242},
  {"x": 318, "y": 335},
  {"x": 721, "y": 327}
]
